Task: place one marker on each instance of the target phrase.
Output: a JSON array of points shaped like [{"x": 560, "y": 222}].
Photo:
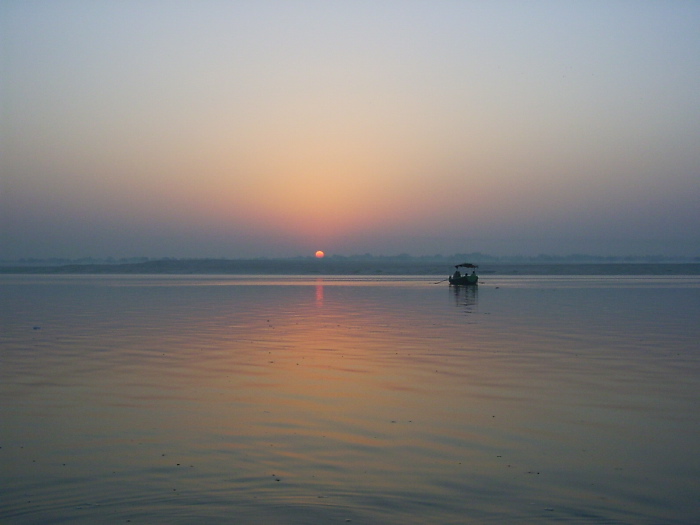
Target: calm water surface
[{"x": 167, "y": 399}]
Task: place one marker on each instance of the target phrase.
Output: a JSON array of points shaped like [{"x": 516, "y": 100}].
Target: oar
[{"x": 442, "y": 281}]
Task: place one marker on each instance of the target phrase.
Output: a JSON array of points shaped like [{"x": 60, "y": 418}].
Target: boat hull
[{"x": 465, "y": 280}]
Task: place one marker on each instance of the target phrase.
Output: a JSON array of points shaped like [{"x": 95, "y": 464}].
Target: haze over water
[{"x": 250, "y": 399}]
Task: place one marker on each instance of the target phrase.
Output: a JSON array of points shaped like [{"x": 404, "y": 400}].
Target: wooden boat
[{"x": 457, "y": 279}]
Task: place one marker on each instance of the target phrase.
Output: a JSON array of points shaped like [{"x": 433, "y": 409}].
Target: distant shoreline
[{"x": 331, "y": 266}]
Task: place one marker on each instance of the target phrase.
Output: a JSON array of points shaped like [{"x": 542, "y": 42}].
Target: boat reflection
[{"x": 466, "y": 297}]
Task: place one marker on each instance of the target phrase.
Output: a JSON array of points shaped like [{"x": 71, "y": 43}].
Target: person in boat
[{"x": 456, "y": 275}]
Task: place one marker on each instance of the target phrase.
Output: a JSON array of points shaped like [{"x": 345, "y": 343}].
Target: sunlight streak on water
[{"x": 299, "y": 400}]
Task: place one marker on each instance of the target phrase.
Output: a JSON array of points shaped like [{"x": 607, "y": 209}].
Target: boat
[{"x": 468, "y": 279}]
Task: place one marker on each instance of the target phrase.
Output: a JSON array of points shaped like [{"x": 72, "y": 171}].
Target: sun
[{"x": 320, "y": 254}]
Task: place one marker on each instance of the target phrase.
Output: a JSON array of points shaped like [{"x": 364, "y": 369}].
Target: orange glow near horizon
[{"x": 320, "y": 254}]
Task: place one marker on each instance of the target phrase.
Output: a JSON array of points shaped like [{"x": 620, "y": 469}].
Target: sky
[{"x": 277, "y": 128}]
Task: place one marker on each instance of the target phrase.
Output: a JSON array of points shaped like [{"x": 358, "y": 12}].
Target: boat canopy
[{"x": 466, "y": 265}]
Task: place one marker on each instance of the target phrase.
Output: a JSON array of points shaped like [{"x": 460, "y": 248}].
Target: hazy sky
[{"x": 276, "y": 128}]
